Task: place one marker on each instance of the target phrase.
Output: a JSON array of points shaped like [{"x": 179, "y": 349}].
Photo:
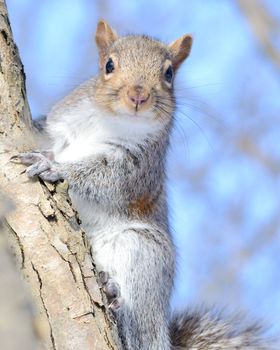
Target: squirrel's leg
[{"x": 141, "y": 261}]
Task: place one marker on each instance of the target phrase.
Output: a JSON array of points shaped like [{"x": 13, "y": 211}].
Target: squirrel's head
[{"x": 137, "y": 73}]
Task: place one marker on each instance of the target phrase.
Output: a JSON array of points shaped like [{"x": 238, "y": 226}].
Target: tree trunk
[{"x": 43, "y": 231}]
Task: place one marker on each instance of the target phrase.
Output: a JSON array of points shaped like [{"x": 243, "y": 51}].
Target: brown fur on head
[{"x": 137, "y": 72}]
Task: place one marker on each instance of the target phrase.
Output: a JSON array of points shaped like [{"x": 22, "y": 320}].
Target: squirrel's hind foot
[{"x": 112, "y": 290}]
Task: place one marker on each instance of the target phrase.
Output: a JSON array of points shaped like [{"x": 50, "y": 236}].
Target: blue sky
[{"x": 223, "y": 192}]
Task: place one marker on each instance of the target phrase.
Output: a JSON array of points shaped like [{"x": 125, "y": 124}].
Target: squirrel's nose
[
  {"x": 138, "y": 96},
  {"x": 138, "y": 100}
]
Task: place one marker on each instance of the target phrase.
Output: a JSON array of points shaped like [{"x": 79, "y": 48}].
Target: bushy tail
[{"x": 203, "y": 331}]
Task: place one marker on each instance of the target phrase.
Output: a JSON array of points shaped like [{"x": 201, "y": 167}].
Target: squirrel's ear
[
  {"x": 105, "y": 36},
  {"x": 180, "y": 49}
]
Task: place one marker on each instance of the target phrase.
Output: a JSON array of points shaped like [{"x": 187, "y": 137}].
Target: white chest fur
[{"x": 84, "y": 131}]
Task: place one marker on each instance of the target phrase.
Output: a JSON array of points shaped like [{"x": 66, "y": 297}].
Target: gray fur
[
  {"x": 205, "y": 330},
  {"x": 114, "y": 184}
]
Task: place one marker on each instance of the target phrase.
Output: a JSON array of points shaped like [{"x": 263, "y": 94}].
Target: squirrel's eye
[
  {"x": 168, "y": 75},
  {"x": 109, "y": 66}
]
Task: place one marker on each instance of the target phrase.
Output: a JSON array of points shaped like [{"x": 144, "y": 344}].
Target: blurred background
[{"x": 224, "y": 164}]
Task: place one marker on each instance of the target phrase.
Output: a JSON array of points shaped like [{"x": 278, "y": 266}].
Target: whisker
[
  {"x": 190, "y": 87},
  {"x": 178, "y": 127},
  {"x": 197, "y": 125}
]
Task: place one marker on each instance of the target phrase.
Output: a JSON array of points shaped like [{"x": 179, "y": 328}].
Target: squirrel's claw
[
  {"x": 29, "y": 158},
  {"x": 111, "y": 289},
  {"x": 41, "y": 164},
  {"x": 115, "y": 304}
]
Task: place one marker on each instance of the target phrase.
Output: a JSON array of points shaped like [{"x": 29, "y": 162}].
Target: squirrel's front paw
[
  {"x": 112, "y": 290},
  {"x": 41, "y": 165}
]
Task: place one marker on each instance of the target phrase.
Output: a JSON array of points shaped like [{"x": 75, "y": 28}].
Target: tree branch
[{"x": 263, "y": 25}]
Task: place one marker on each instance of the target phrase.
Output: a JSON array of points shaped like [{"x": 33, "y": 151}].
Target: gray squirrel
[{"x": 108, "y": 139}]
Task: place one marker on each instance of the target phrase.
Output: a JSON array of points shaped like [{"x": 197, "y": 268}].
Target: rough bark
[
  {"x": 16, "y": 319},
  {"x": 50, "y": 248}
]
